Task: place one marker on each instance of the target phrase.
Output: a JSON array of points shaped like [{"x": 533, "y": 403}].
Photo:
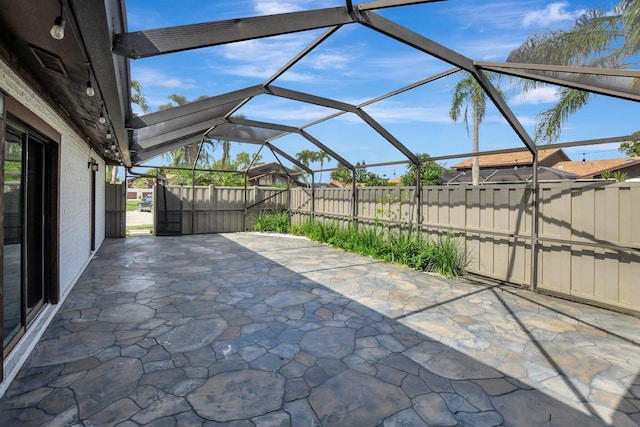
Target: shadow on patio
[{"x": 266, "y": 330}]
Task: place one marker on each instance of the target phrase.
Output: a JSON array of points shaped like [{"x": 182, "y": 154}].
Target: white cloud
[
  {"x": 262, "y": 58},
  {"x": 329, "y": 61},
  {"x": 271, "y": 7},
  {"x": 153, "y": 78},
  {"x": 284, "y": 114},
  {"x": 552, "y": 14},
  {"x": 527, "y": 121},
  {"x": 274, "y": 7},
  {"x": 388, "y": 112},
  {"x": 540, "y": 95}
]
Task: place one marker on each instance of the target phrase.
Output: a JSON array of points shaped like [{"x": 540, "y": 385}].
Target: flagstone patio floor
[{"x": 266, "y": 330}]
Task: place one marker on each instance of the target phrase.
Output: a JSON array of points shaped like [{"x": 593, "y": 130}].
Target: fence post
[
  {"x": 354, "y": 199},
  {"x": 193, "y": 198},
  {"x": 313, "y": 198},
  {"x": 418, "y": 198},
  {"x": 534, "y": 225}
]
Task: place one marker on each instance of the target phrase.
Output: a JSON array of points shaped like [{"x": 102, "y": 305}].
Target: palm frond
[{"x": 551, "y": 120}]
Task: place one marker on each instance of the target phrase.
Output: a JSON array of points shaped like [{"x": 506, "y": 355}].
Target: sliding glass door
[
  {"x": 25, "y": 230},
  {"x": 13, "y": 235}
]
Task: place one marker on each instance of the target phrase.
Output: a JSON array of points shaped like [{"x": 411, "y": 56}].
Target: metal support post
[{"x": 535, "y": 192}]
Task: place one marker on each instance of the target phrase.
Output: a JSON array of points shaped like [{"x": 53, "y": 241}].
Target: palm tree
[
  {"x": 306, "y": 157},
  {"x": 186, "y": 155},
  {"x": 321, "y": 156},
  {"x": 469, "y": 93},
  {"x": 599, "y": 38},
  {"x": 138, "y": 98}
]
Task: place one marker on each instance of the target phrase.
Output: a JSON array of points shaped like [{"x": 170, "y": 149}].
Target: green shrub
[
  {"x": 444, "y": 255},
  {"x": 276, "y": 222}
]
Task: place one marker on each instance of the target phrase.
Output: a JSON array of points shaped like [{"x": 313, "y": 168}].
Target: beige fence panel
[
  {"x": 115, "y": 210},
  {"x": 226, "y": 208},
  {"x": 334, "y": 203},
  {"x": 300, "y": 205},
  {"x": 395, "y": 205}
]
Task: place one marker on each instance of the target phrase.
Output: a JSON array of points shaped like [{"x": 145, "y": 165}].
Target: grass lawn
[
  {"x": 132, "y": 205},
  {"x": 140, "y": 228}
]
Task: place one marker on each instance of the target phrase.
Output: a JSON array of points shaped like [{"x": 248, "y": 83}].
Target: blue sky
[{"x": 357, "y": 64}]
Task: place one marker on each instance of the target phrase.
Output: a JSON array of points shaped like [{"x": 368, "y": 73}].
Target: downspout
[{"x": 535, "y": 192}]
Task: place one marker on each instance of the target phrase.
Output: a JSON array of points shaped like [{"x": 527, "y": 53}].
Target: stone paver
[{"x": 268, "y": 330}]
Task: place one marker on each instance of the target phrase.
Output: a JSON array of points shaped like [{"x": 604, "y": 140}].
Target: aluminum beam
[
  {"x": 194, "y": 107},
  {"x": 612, "y": 72},
  {"x": 381, "y": 4},
  {"x": 566, "y": 83},
  {"x": 288, "y": 157},
  {"x": 310, "y": 99},
  {"x": 163, "y": 138},
  {"x": 388, "y": 136},
  {"x": 301, "y": 54},
  {"x": 502, "y": 106},
  {"x": 160, "y": 41},
  {"x": 142, "y": 155},
  {"x": 326, "y": 149},
  {"x": 413, "y": 39},
  {"x": 265, "y": 125},
  {"x": 287, "y": 130}
]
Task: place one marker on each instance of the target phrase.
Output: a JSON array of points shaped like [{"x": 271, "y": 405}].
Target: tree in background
[
  {"x": 363, "y": 176},
  {"x": 306, "y": 157},
  {"x": 244, "y": 159},
  {"x": 469, "y": 93},
  {"x": 321, "y": 158},
  {"x": 138, "y": 98},
  {"x": 430, "y": 172},
  {"x": 632, "y": 147},
  {"x": 600, "y": 38},
  {"x": 185, "y": 156}
]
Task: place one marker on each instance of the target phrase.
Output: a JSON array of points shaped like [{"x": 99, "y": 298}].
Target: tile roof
[
  {"x": 521, "y": 158},
  {"x": 594, "y": 167}
]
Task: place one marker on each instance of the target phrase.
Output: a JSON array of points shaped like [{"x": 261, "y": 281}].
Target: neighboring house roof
[
  {"x": 267, "y": 168},
  {"x": 521, "y": 174},
  {"x": 591, "y": 168},
  {"x": 518, "y": 158},
  {"x": 273, "y": 169}
]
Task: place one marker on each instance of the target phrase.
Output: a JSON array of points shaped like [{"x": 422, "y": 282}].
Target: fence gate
[
  {"x": 167, "y": 208},
  {"x": 115, "y": 205}
]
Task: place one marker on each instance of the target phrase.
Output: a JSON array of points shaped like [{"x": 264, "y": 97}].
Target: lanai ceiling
[{"x": 99, "y": 47}]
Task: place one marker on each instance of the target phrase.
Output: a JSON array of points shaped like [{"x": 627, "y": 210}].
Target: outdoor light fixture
[
  {"x": 93, "y": 165},
  {"x": 113, "y": 146},
  {"x": 102, "y": 119},
  {"x": 584, "y": 160},
  {"x": 90, "y": 91},
  {"x": 57, "y": 31},
  {"x": 109, "y": 134}
]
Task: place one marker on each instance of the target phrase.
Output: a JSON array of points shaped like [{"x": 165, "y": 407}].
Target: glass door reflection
[{"x": 13, "y": 235}]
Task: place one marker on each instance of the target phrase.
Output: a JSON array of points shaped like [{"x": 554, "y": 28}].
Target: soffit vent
[{"x": 49, "y": 60}]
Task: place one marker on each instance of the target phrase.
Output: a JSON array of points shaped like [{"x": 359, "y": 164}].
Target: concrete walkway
[{"x": 267, "y": 330}]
